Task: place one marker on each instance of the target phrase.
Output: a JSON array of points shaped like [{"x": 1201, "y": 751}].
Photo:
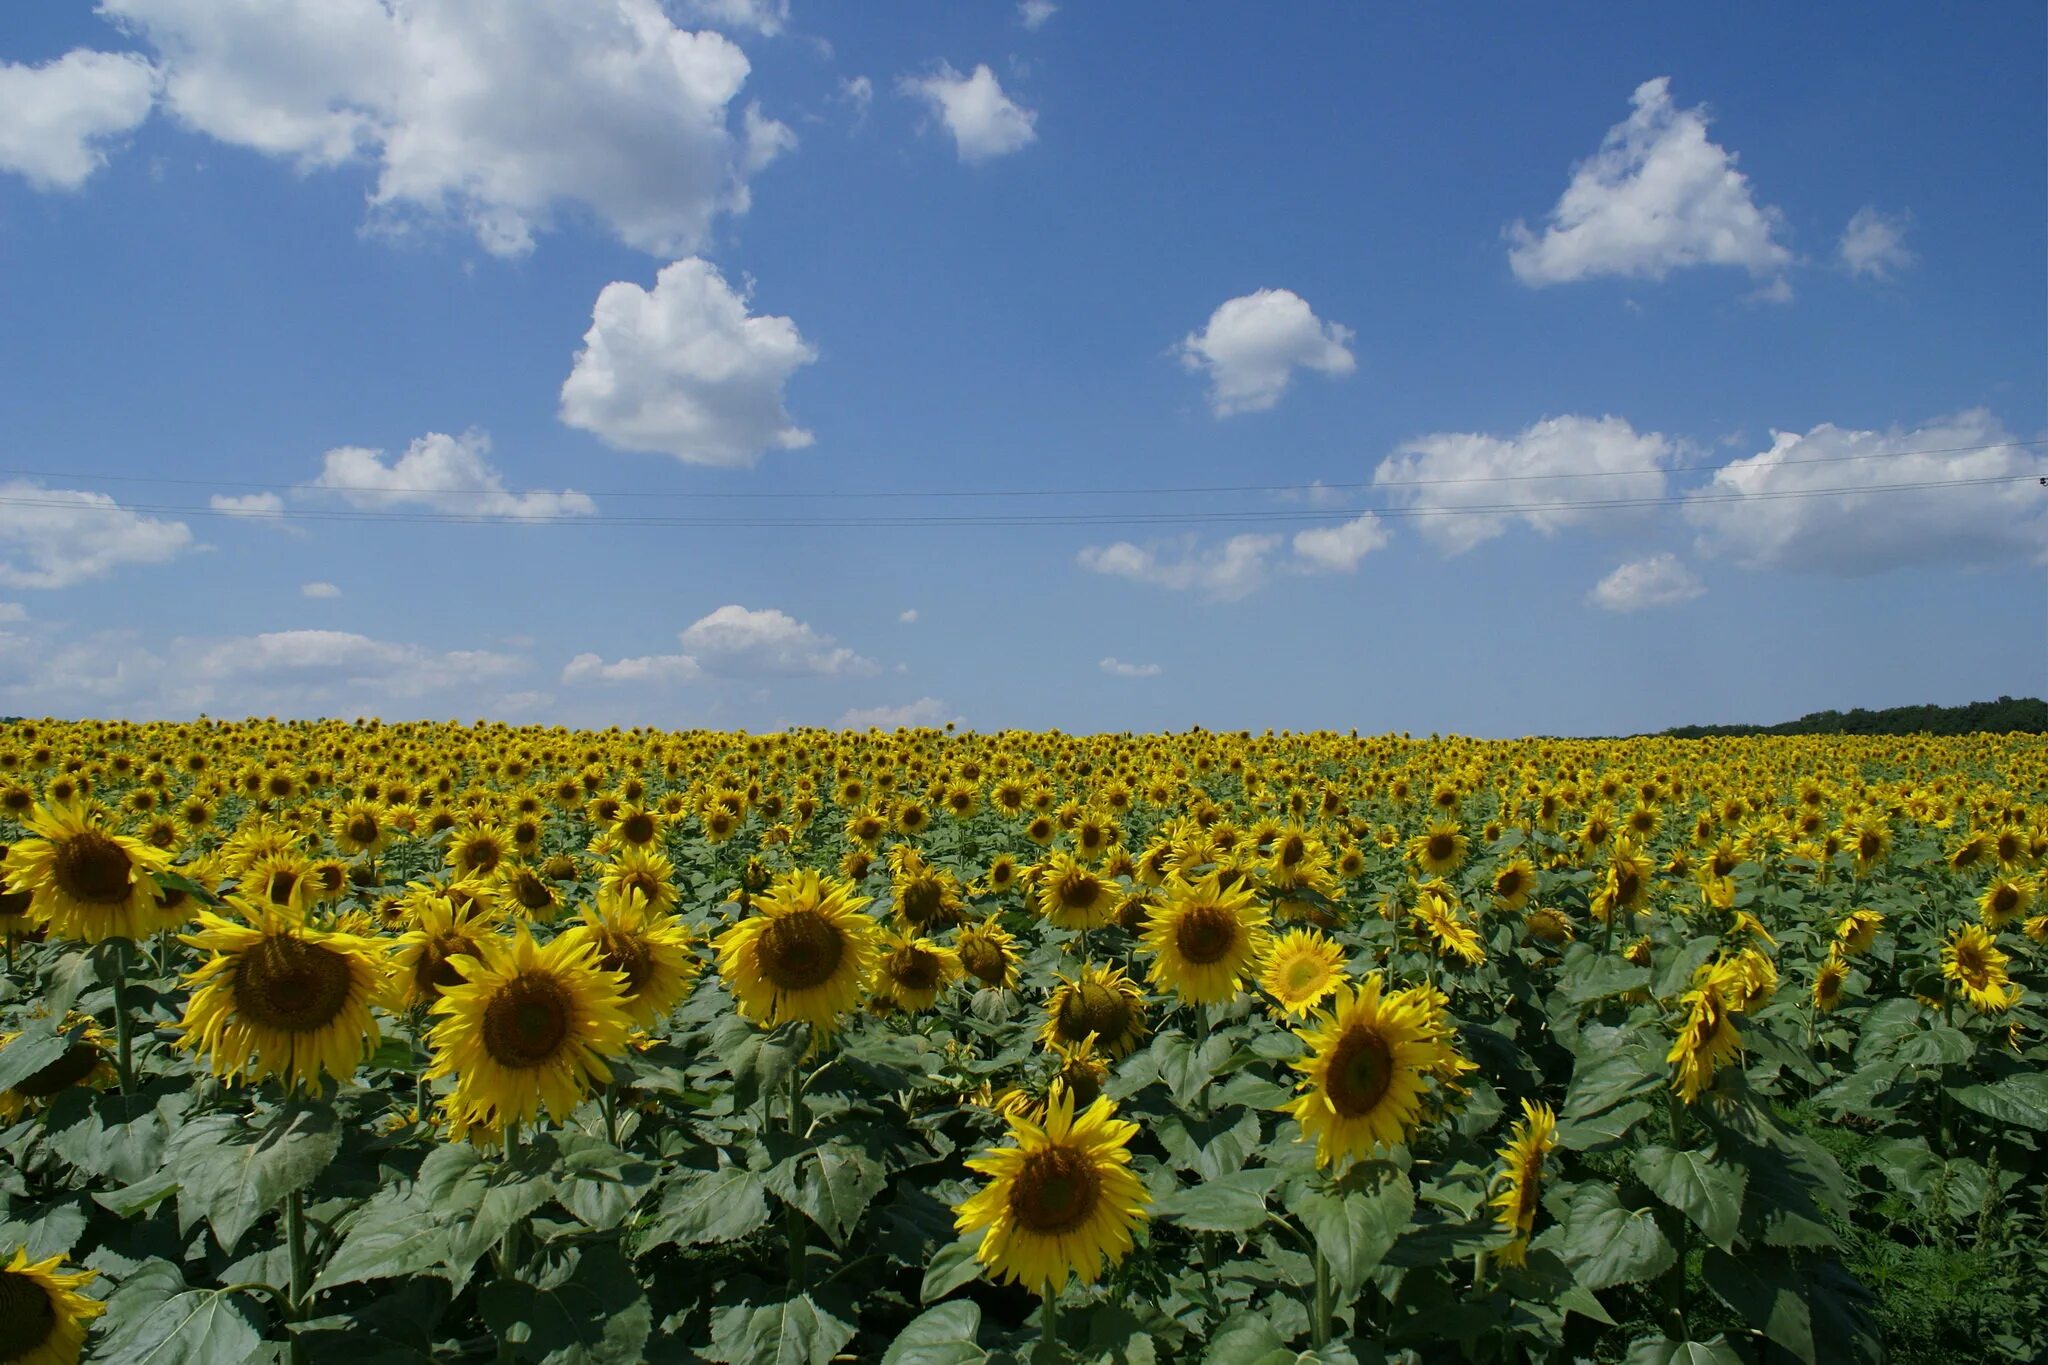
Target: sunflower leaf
[
  {"x": 953, "y": 1265},
  {"x": 196, "y": 1327},
  {"x": 945, "y": 1335},
  {"x": 2021, "y": 1098},
  {"x": 233, "y": 1175},
  {"x": 1356, "y": 1228},
  {"x": 29, "y": 1053},
  {"x": 793, "y": 1332},
  {"x": 1231, "y": 1203},
  {"x": 832, "y": 1184},
  {"x": 1705, "y": 1190},
  {"x": 595, "y": 1315},
  {"x": 1606, "y": 1244},
  {"x": 1664, "y": 1351},
  {"x": 707, "y": 1206}
]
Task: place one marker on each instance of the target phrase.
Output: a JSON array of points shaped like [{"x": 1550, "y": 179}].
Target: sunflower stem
[
  {"x": 295, "y": 1237},
  {"x": 1048, "y": 1328},
  {"x": 1319, "y": 1326},
  {"x": 794, "y": 1218},
  {"x": 124, "y": 1034}
]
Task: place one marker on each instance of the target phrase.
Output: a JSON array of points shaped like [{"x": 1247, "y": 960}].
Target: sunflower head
[
  {"x": 914, "y": 971},
  {"x": 1205, "y": 938},
  {"x": 83, "y": 880},
  {"x": 1101, "y": 1002},
  {"x": 988, "y": 953},
  {"x": 43, "y": 1317},
  {"x": 650, "y": 952},
  {"x": 807, "y": 952},
  {"x": 1369, "y": 1061},
  {"x": 1519, "y": 1183}
]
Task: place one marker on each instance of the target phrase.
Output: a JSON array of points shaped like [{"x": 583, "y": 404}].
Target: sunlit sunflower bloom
[
  {"x": 1072, "y": 897},
  {"x": 645, "y": 869},
  {"x": 528, "y": 1031},
  {"x": 1708, "y": 1039},
  {"x": 1627, "y": 884},
  {"x": 477, "y": 849},
  {"x": 1300, "y": 862},
  {"x": 1752, "y": 979},
  {"x": 1101, "y": 1001},
  {"x": 1829, "y": 982},
  {"x": 359, "y": 827},
  {"x": 1970, "y": 853},
  {"x": 43, "y": 1317},
  {"x": 1973, "y": 961},
  {"x": 635, "y": 827},
  {"x": 1301, "y": 969},
  {"x": 1370, "y": 1058},
  {"x": 914, "y": 972},
  {"x": 1436, "y": 914},
  {"x": 278, "y": 998},
  {"x": 1206, "y": 939},
  {"x": 1548, "y": 926},
  {"x": 925, "y": 897},
  {"x": 1061, "y": 1199},
  {"x": 2036, "y": 928},
  {"x": 86, "y": 1061},
  {"x": 988, "y": 953},
  {"x": 1858, "y": 931},
  {"x": 1440, "y": 848},
  {"x": 807, "y": 952},
  {"x": 1868, "y": 839},
  {"x": 2005, "y": 900},
  {"x": 530, "y": 891},
  {"x": 86, "y": 882},
  {"x": 650, "y": 951},
  {"x": 1001, "y": 876},
  {"x": 1514, "y": 882},
  {"x": 1519, "y": 1184},
  {"x": 442, "y": 930}
]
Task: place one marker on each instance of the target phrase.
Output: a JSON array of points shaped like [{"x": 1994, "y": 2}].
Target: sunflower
[
  {"x": 85, "y": 881},
  {"x": 86, "y": 1060},
  {"x": 532, "y": 891},
  {"x": 1072, "y": 897},
  {"x": 1001, "y": 875},
  {"x": 915, "y": 971},
  {"x": 645, "y": 869},
  {"x": 1370, "y": 1059},
  {"x": 1970, "y": 852},
  {"x": 43, "y": 1317},
  {"x": 1627, "y": 885},
  {"x": 278, "y": 878},
  {"x": 1101, "y": 1001},
  {"x": 1206, "y": 938},
  {"x": 1868, "y": 838},
  {"x": 1829, "y": 981},
  {"x": 988, "y": 952},
  {"x": 1440, "y": 848},
  {"x": 278, "y": 998},
  {"x": 1514, "y": 882},
  {"x": 1548, "y": 926},
  {"x": 527, "y": 1031},
  {"x": 477, "y": 849},
  {"x": 360, "y": 827},
  {"x": 442, "y": 930},
  {"x": 1520, "y": 1180},
  {"x": 1708, "y": 1040},
  {"x": 925, "y": 897},
  {"x": 1302, "y": 967},
  {"x": 650, "y": 951},
  {"x": 1061, "y": 1199},
  {"x": 807, "y": 953},
  {"x": 2004, "y": 901},
  {"x": 1436, "y": 912},
  {"x": 1858, "y": 931},
  {"x": 1973, "y": 961}
]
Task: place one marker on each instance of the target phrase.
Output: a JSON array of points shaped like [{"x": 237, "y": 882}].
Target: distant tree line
[{"x": 2007, "y": 715}]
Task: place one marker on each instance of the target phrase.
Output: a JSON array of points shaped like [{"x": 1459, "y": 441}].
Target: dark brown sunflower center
[
  {"x": 1083, "y": 1081},
  {"x": 362, "y": 829},
  {"x": 291, "y": 985},
  {"x": 91, "y": 867},
  {"x": 1079, "y": 891},
  {"x": 637, "y": 828},
  {"x": 1056, "y": 1191},
  {"x": 1205, "y": 934},
  {"x": 531, "y": 892},
  {"x": 14, "y": 903},
  {"x": 26, "y": 1315},
  {"x": 1440, "y": 847},
  {"x": 984, "y": 960},
  {"x": 914, "y": 969},
  {"x": 1292, "y": 850},
  {"x": 1627, "y": 886},
  {"x": 646, "y": 883},
  {"x": 68, "y": 1070},
  {"x": 435, "y": 971},
  {"x": 921, "y": 900},
  {"x": 1508, "y": 883},
  {"x": 801, "y": 950},
  {"x": 1360, "y": 1071},
  {"x": 281, "y": 885},
  {"x": 1092, "y": 1008},
  {"x": 622, "y": 952},
  {"x": 479, "y": 855},
  {"x": 526, "y": 1021},
  {"x": 2005, "y": 899}
]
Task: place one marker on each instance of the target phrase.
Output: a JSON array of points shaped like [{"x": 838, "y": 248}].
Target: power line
[
  {"x": 1016, "y": 519},
  {"x": 1189, "y": 491}
]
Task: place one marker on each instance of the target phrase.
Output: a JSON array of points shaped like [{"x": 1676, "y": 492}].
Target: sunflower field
[{"x": 418, "y": 1042}]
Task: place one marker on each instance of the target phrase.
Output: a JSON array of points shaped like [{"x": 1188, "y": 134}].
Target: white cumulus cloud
[
  {"x": 654, "y": 668},
  {"x": 1764, "y": 511},
  {"x": 765, "y": 17},
  {"x": 1470, "y": 487},
  {"x": 56, "y": 537},
  {"x": 246, "y": 504},
  {"x": 1658, "y": 196},
  {"x": 684, "y": 370},
  {"x": 1253, "y": 345},
  {"x": 319, "y": 590},
  {"x": 442, "y": 472},
  {"x": 1117, "y": 668},
  {"x": 494, "y": 116},
  {"x": 1659, "y": 581},
  {"x": 908, "y": 616},
  {"x": 739, "y": 640},
  {"x": 1337, "y": 549},
  {"x": 925, "y": 711},
  {"x": 1874, "y": 243},
  {"x": 1033, "y": 13},
  {"x": 985, "y": 122},
  {"x": 56, "y": 119},
  {"x": 1225, "y": 572}
]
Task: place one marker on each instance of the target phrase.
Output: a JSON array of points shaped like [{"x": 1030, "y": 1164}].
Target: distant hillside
[{"x": 2028, "y": 715}]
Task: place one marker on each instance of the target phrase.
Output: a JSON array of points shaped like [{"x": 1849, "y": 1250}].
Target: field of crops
[{"x": 423, "y": 1042}]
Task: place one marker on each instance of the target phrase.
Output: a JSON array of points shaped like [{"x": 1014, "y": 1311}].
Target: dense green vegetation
[{"x": 2006, "y": 716}]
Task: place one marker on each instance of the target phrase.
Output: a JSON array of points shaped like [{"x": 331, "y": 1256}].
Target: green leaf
[
  {"x": 1232, "y": 1203},
  {"x": 1664, "y": 1351},
  {"x": 196, "y": 1327},
  {"x": 1674, "y": 976},
  {"x": 1606, "y": 1244},
  {"x": 1588, "y": 976},
  {"x": 68, "y": 980},
  {"x": 1355, "y": 1229},
  {"x": 709, "y": 1206},
  {"x": 1210, "y": 1147},
  {"x": 1884, "y": 1025},
  {"x": 595, "y": 1315},
  {"x": 476, "y": 1201},
  {"x": 1861, "y": 1092},
  {"x": 392, "y": 1236},
  {"x": 1934, "y": 1046},
  {"x": 2021, "y": 1098},
  {"x": 1705, "y": 1190},
  {"x": 117, "y": 1136},
  {"x": 139, "y": 1197},
  {"x": 1809, "y": 1308},
  {"x": 833, "y": 1184},
  {"x": 793, "y": 1332},
  {"x": 233, "y": 1175},
  {"x": 1604, "y": 1077},
  {"x": 28, "y": 1054},
  {"x": 1603, "y": 1129},
  {"x": 945, "y": 1335},
  {"x": 1247, "y": 1339},
  {"x": 951, "y": 1266}
]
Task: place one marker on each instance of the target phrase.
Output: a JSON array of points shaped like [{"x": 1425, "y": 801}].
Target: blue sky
[{"x": 494, "y": 330}]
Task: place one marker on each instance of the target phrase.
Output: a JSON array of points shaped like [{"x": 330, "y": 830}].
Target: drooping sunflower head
[
  {"x": 650, "y": 952},
  {"x": 914, "y": 971},
  {"x": 1514, "y": 882},
  {"x": 527, "y": 1032},
  {"x": 1101, "y": 1001},
  {"x": 278, "y": 998},
  {"x": 83, "y": 880},
  {"x": 1973, "y": 960},
  {"x": 1548, "y": 926},
  {"x": 1829, "y": 982},
  {"x": 1365, "y": 1078},
  {"x": 1707, "y": 1040},
  {"x": 1518, "y": 1186},
  {"x": 1302, "y": 968},
  {"x": 988, "y": 953},
  {"x": 1858, "y": 931},
  {"x": 925, "y": 897},
  {"x": 1442, "y": 927},
  {"x": 1061, "y": 1201},
  {"x": 808, "y": 952},
  {"x": 43, "y": 1317},
  {"x": 1205, "y": 939},
  {"x": 87, "y": 1060}
]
